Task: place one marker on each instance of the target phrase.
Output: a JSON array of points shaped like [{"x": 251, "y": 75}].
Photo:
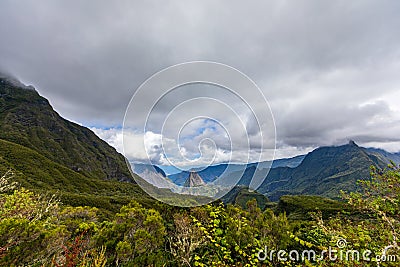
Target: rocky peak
[
  {"x": 194, "y": 180},
  {"x": 352, "y": 143},
  {"x": 6, "y": 78}
]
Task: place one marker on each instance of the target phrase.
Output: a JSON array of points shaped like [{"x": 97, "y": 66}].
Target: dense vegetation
[{"x": 39, "y": 230}]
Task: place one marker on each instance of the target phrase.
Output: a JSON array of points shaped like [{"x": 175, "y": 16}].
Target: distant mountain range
[
  {"x": 324, "y": 172},
  {"x": 211, "y": 173}
]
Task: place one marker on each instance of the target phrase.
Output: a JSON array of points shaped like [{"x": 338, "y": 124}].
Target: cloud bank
[{"x": 328, "y": 69}]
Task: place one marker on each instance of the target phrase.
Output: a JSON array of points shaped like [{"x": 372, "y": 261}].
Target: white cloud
[
  {"x": 207, "y": 147},
  {"x": 112, "y": 136}
]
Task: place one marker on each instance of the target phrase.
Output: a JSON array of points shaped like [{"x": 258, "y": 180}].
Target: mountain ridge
[
  {"x": 28, "y": 119},
  {"x": 52, "y": 154},
  {"x": 212, "y": 172},
  {"x": 325, "y": 171}
]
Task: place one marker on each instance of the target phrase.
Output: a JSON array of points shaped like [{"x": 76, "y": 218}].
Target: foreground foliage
[{"x": 37, "y": 230}]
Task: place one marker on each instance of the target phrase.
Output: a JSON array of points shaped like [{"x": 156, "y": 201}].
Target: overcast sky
[{"x": 329, "y": 69}]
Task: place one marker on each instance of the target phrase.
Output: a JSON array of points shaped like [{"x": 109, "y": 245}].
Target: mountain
[
  {"x": 324, "y": 172},
  {"x": 36, "y": 172},
  {"x": 139, "y": 168},
  {"x": 288, "y": 162},
  {"x": 27, "y": 119},
  {"x": 211, "y": 173},
  {"x": 152, "y": 174},
  {"x": 241, "y": 194},
  {"x": 194, "y": 180},
  {"x": 208, "y": 174},
  {"x": 52, "y": 155},
  {"x": 384, "y": 155},
  {"x": 49, "y": 154}
]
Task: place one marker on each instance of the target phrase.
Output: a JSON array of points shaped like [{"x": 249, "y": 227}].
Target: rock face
[
  {"x": 27, "y": 119},
  {"x": 194, "y": 180}
]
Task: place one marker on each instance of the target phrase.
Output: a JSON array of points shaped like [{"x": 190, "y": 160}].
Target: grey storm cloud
[{"x": 328, "y": 68}]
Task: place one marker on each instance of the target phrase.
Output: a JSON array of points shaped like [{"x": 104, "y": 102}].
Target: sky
[{"x": 328, "y": 69}]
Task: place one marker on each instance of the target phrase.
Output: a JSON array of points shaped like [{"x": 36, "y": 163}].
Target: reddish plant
[{"x": 73, "y": 251}]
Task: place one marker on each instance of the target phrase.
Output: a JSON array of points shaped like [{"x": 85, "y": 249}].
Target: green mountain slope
[
  {"x": 299, "y": 207},
  {"x": 27, "y": 119},
  {"x": 51, "y": 154},
  {"x": 324, "y": 172},
  {"x": 36, "y": 172},
  {"x": 241, "y": 194},
  {"x": 384, "y": 156}
]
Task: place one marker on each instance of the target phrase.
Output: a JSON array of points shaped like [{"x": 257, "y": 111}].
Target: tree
[
  {"x": 380, "y": 200},
  {"x": 136, "y": 235},
  {"x": 28, "y": 228},
  {"x": 184, "y": 239}
]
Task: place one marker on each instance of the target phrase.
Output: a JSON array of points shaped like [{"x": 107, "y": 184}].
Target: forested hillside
[{"x": 26, "y": 118}]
